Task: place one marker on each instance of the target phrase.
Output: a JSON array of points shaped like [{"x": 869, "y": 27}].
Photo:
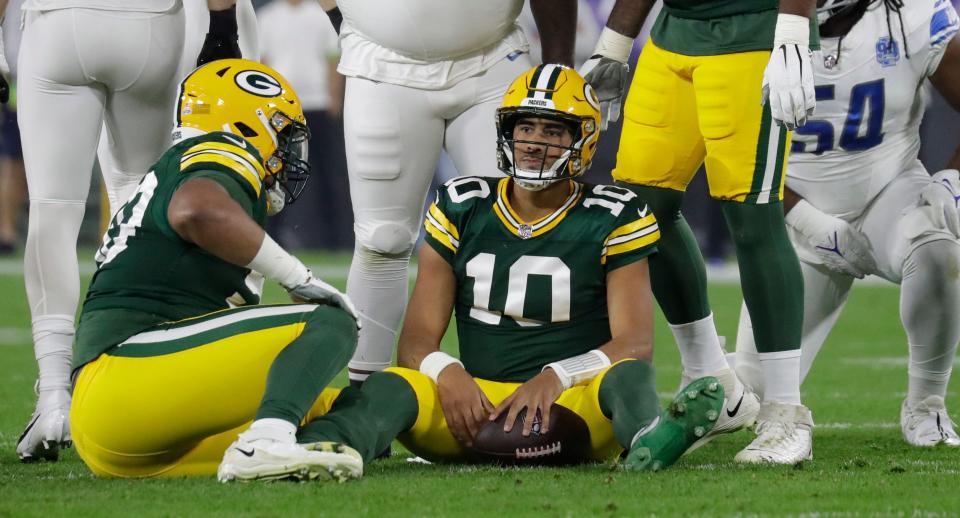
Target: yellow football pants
[
  {"x": 431, "y": 439},
  {"x": 176, "y": 413},
  {"x": 683, "y": 110}
]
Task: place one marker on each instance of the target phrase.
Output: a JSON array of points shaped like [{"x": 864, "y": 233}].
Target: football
[{"x": 567, "y": 441}]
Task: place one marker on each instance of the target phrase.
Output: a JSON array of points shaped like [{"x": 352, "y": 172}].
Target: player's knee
[
  {"x": 940, "y": 259},
  {"x": 664, "y": 202},
  {"x": 385, "y": 238},
  {"x": 339, "y": 327},
  {"x": 756, "y": 227}
]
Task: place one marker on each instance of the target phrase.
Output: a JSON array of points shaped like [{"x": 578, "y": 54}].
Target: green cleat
[{"x": 690, "y": 416}]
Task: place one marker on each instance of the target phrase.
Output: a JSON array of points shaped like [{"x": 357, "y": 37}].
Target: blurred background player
[
  {"x": 696, "y": 96},
  {"x": 297, "y": 41},
  {"x": 13, "y": 182},
  {"x": 421, "y": 75},
  {"x": 548, "y": 279},
  {"x": 860, "y": 202},
  {"x": 84, "y": 64},
  {"x": 175, "y": 356}
]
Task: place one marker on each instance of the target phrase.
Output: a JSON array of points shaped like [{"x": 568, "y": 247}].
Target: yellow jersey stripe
[
  {"x": 541, "y": 226},
  {"x": 631, "y": 227},
  {"x": 233, "y": 165},
  {"x": 442, "y": 220},
  {"x": 230, "y": 148},
  {"x": 439, "y": 234},
  {"x": 642, "y": 240}
]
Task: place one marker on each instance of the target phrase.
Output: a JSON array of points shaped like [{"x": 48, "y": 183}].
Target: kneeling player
[
  {"x": 861, "y": 203},
  {"x": 167, "y": 374},
  {"x": 548, "y": 278}
]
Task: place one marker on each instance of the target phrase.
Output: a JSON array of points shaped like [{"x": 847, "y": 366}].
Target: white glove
[
  {"x": 939, "y": 200},
  {"x": 788, "y": 78},
  {"x": 607, "y": 73},
  {"x": 839, "y": 246},
  {"x": 315, "y": 291}
]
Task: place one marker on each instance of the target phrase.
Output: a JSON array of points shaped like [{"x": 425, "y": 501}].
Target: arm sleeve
[{"x": 633, "y": 237}]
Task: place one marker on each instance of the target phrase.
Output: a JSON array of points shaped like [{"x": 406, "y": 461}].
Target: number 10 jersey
[{"x": 532, "y": 293}]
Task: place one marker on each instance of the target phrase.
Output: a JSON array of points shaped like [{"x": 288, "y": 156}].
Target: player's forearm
[
  {"x": 790, "y": 199},
  {"x": 798, "y": 7},
  {"x": 220, "y": 5},
  {"x": 947, "y": 81},
  {"x": 203, "y": 213},
  {"x": 954, "y": 162},
  {"x": 630, "y": 309},
  {"x": 627, "y": 16},
  {"x": 557, "y": 23}
]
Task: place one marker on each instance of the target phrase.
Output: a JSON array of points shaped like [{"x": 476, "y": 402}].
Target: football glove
[
  {"x": 315, "y": 291},
  {"x": 788, "y": 79},
  {"x": 222, "y": 41},
  {"x": 840, "y": 247},
  {"x": 939, "y": 200},
  {"x": 607, "y": 73}
]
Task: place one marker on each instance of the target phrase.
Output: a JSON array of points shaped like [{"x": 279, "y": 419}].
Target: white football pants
[
  {"x": 393, "y": 136},
  {"x": 81, "y": 69},
  {"x": 925, "y": 266}
]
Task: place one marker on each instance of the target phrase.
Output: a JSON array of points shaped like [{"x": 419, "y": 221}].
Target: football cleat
[
  {"x": 784, "y": 435},
  {"x": 48, "y": 429},
  {"x": 927, "y": 424},
  {"x": 740, "y": 408},
  {"x": 268, "y": 459},
  {"x": 689, "y": 417}
]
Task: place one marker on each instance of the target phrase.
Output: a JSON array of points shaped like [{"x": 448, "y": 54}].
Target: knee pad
[{"x": 387, "y": 238}]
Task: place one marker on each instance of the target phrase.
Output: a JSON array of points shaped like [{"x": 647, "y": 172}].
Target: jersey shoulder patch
[
  {"x": 454, "y": 200},
  {"x": 944, "y": 23},
  {"x": 227, "y": 153}
]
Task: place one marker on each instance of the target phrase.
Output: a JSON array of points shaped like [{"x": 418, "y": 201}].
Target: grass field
[{"x": 861, "y": 465}]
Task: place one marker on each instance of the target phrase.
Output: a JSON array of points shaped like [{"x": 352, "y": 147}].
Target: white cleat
[
  {"x": 268, "y": 459},
  {"x": 48, "y": 429},
  {"x": 927, "y": 424},
  {"x": 740, "y": 408},
  {"x": 784, "y": 435}
]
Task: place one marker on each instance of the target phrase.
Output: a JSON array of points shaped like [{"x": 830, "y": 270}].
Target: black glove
[
  {"x": 336, "y": 18},
  {"x": 222, "y": 39},
  {"x": 4, "y": 90}
]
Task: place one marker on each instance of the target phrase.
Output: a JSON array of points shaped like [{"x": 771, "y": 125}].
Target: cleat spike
[
  {"x": 712, "y": 415},
  {"x": 699, "y": 431}
]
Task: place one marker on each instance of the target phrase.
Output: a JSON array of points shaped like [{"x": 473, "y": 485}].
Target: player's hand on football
[
  {"x": 939, "y": 200},
  {"x": 608, "y": 77},
  {"x": 839, "y": 247},
  {"x": 536, "y": 395},
  {"x": 315, "y": 291},
  {"x": 464, "y": 405},
  {"x": 788, "y": 85}
]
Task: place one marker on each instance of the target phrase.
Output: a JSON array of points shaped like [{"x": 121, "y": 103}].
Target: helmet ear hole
[{"x": 245, "y": 130}]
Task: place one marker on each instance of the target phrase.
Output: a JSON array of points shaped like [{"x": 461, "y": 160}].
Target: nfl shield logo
[
  {"x": 888, "y": 51},
  {"x": 525, "y": 231}
]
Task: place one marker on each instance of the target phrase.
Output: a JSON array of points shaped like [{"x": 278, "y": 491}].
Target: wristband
[
  {"x": 277, "y": 264},
  {"x": 579, "y": 369},
  {"x": 224, "y": 23},
  {"x": 791, "y": 28},
  {"x": 434, "y": 363},
  {"x": 614, "y": 45}
]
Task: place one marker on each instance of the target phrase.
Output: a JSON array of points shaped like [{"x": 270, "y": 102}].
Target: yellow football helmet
[
  {"x": 558, "y": 93},
  {"x": 253, "y": 101}
]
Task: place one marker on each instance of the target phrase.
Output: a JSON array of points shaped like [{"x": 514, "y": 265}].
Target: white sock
[
  {"x": 53, "y": 348},
  {"x": 928, "y": 373},
  {"x": 781, "y": 376},
  {"x": 700, "y": 350},
  {"x": 273, "y": 429}
]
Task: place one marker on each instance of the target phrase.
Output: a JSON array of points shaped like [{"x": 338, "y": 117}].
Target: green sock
[
  {"x": 678, "y": 275},
  {"x": 366, "y": 419},
  {"x": 628, "y": 395},
  {"x": 769, "y": 274},
  {"x": 308, "y": 364}
]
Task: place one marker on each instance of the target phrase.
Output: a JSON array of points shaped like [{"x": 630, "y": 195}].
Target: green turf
[{"x": 862, "y": 467}]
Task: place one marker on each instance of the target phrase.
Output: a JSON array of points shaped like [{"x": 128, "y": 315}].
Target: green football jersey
[
  {"x": 714, "y": 27},
  {"x": 532, "y": 293},
  {"x": 146, "y": 273}
]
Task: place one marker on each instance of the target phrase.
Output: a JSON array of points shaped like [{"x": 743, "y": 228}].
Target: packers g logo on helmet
[
  {"x": 253, "y": 101},
  {"x": 558, "y": 93}
]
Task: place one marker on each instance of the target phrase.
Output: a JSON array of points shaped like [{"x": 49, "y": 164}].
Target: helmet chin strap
[{"x": 535, "y": 185}]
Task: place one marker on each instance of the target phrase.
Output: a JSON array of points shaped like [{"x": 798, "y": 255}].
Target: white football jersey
[
  {"x": 428, "y": 44},
  {"x": 870, "y": 100},
  {"x": 144, "y": 6}
]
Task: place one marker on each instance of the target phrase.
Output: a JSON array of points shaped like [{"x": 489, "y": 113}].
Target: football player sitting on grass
[
  {"x": 548, "y": 279},
  {"x": 175, "y": 361}
]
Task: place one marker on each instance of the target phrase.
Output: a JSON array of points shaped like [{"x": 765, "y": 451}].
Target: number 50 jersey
[{"x": 532, "y": 293}]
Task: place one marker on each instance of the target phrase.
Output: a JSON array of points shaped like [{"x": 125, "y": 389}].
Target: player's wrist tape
[
  {"x": 434, "y": 363},
  {"x": 277, "y": 264},
  {"x": 791, "y": 28},
  {"x": 614, "y": 45},
  {"x": 807, "y": 219},
  {"x": 224, "y": 23},
  {"x": 579, "y": 369}
]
